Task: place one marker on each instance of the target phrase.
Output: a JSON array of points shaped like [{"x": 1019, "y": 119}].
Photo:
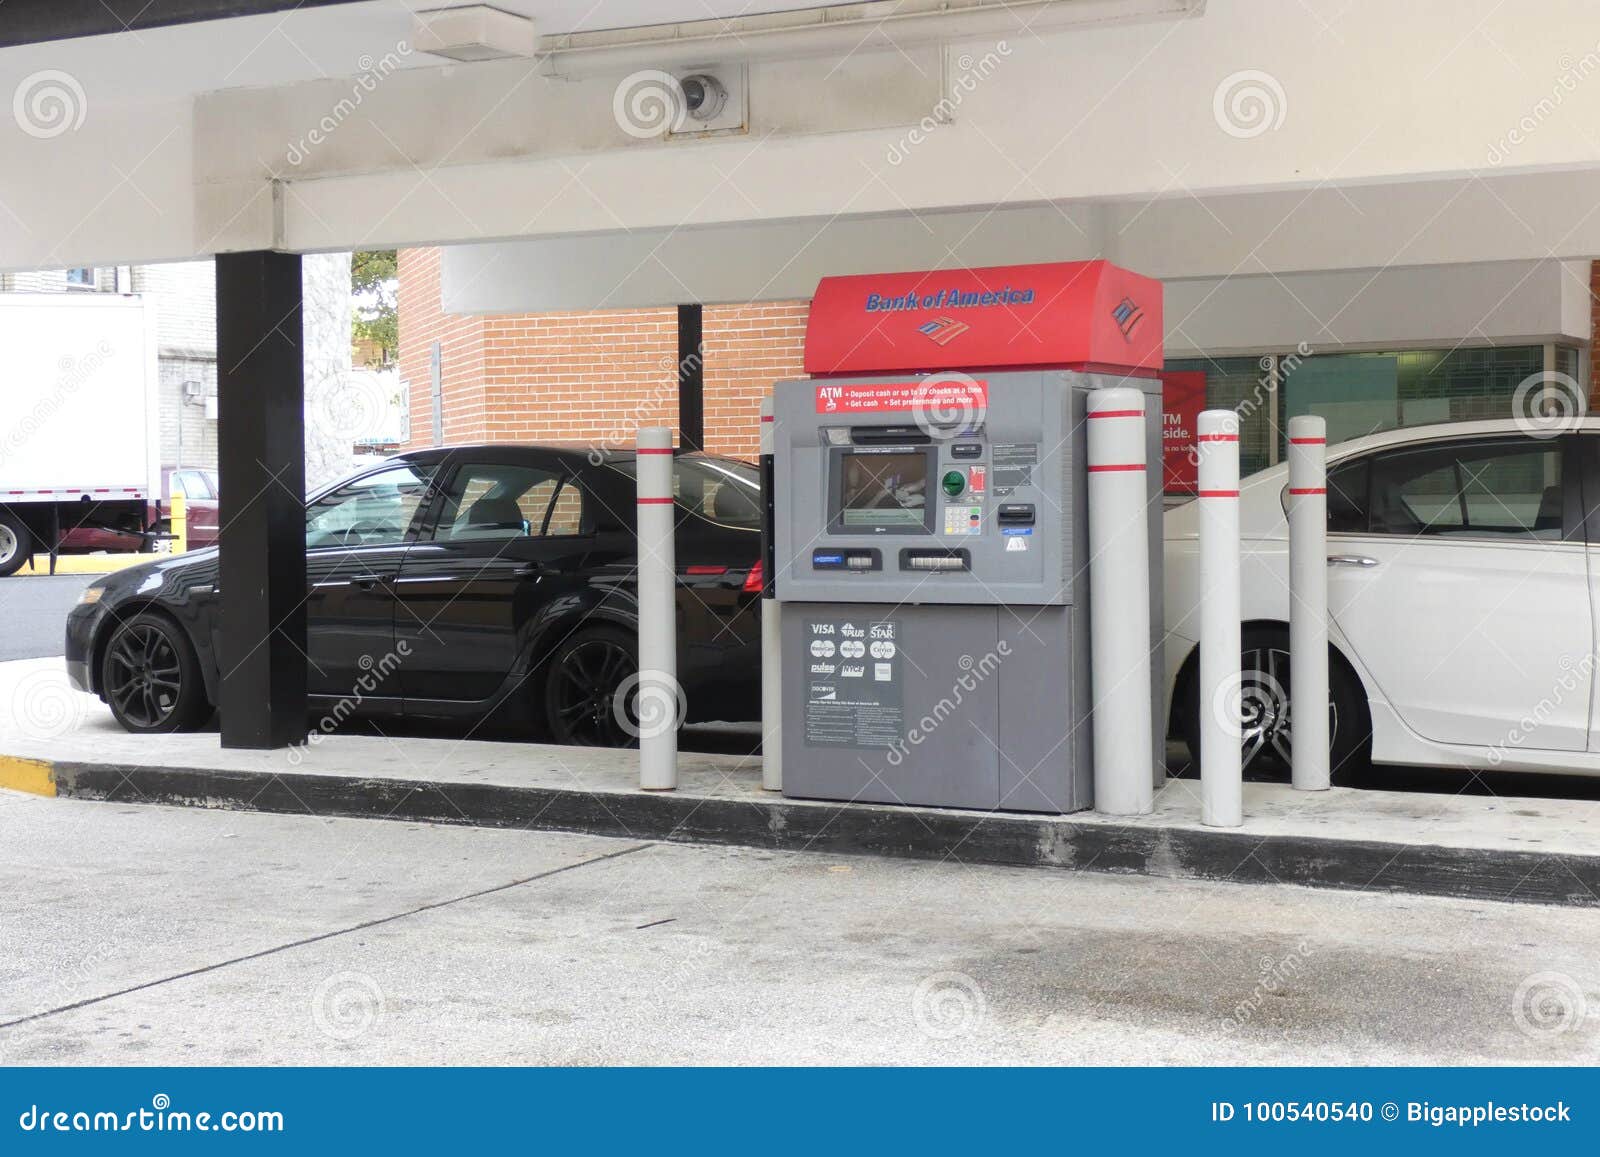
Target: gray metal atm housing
[{"x": 933, "y": 592}]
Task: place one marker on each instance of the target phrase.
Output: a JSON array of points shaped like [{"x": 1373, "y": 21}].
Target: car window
[
  {"x": 192, "y": 484},
  {"x": 720, "y": 490},
  {"x": 1471, "y": 490},
  {"x": 1347, "y": 497},
  {"x": 373, "y": 510},
  {"x": 493, "y": 501}
]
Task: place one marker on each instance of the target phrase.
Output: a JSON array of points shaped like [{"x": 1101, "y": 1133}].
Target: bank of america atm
[{"x": 930, "y": 531}]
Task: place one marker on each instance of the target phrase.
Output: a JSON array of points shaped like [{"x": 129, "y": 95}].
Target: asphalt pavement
[
  {"x": 33, "y": 613},
  {"x": 148, "y": 935}
]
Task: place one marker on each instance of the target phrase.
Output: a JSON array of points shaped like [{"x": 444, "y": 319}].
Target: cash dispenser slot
[{"x": 935, "y": 560}]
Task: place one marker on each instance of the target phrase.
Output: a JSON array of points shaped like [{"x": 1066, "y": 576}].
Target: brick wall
[
  {"x": 185, "y": 293},
  {"x": 592, "y": 377}
]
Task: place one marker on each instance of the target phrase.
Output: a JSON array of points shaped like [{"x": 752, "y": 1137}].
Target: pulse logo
[
  {"x": 1127, "y": 315},
  {"x": 943, "y": 330}
]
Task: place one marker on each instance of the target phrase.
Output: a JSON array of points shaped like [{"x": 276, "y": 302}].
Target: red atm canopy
[{"x": 1083, "y": 315}]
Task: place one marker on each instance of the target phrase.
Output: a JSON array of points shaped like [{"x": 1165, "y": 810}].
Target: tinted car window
[
  {"x": 1347, "y": 497},
  {"x": 721, "y": 490},
  {"x": 487, "y": 500},
  {"x": 374, "y": 510},
  {"x": 1474, "y": 490}
]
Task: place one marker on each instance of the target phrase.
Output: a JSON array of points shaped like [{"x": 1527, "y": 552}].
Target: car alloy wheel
[
  {"x": 585, "y": 679},
  {"x": 1264, "y": 708},
  {"x": 144, "y": 676}
]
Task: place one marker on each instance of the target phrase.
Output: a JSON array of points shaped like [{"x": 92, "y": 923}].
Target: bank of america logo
[
  {"x": 1127, "y": 315},
  {"x": 943, "y": 330}
]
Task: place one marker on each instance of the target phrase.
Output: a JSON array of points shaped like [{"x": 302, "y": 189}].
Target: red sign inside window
[{"x": 1183, "y": 396}]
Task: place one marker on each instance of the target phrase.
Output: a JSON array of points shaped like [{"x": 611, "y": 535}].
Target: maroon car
[{"x": 201, "y": 496}]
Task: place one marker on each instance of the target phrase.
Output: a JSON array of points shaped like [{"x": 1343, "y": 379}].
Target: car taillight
[
  {"x": 755, "y": 580},
  {"x": 705, "y": 570}
]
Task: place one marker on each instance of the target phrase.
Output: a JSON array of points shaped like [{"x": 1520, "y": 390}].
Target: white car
[{"x": 1463, "y": 579}]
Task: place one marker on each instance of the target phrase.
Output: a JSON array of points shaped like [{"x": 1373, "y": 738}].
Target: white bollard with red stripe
[
  {"x": 771, "y": 636},
  {"x": 1119, "y": 602},
  {"x": 1222, "y": 690},
  {"x": 1308, "y": 603},
  {"x": 659, "y": 697}
]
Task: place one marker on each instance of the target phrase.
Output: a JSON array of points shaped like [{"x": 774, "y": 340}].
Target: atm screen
[{"x": 884, "y": 490}]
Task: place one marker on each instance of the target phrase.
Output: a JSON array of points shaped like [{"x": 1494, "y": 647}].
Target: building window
[
  {"x": 81, "y": 277},
  {"x": 1368, "y": 392},
  {"x": 1245, "y": 386},
  {"x": 1364, "y": 393}
]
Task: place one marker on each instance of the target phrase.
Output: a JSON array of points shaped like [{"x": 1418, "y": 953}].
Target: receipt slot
[{"x": 930, "y": 531}]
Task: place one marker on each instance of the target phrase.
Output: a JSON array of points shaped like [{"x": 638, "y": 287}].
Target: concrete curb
[{"x": 1179, "y": 852}]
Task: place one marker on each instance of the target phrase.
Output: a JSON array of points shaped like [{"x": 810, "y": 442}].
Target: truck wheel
[
  {"x": 151, "y": 677},
  {"x": 16, "y": 544}
]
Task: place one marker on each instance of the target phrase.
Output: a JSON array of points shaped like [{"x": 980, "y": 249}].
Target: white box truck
[{"x": 80, "y": 466}]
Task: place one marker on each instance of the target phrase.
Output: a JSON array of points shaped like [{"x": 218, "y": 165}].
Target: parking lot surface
[
  {"x": 150, "y": 935},
  {"x": 34, "y": 609}
]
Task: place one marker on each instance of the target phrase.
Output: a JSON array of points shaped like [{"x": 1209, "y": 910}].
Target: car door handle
[
  {"x": 369, "y": 580},
  {"x": 530, "y": 570},
  {"x": 1351, "y": 560}
]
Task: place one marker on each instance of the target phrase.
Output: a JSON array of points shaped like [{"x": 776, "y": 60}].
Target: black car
[{"x": 490, "y": 583}]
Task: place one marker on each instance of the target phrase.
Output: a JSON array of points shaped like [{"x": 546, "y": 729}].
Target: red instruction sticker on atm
[{"x": 945, "y": 399}]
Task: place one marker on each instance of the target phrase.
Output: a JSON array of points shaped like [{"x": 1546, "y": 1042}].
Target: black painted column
[
  {"x": 691, "y": 380},
  {"x": 261, "y": 458}
]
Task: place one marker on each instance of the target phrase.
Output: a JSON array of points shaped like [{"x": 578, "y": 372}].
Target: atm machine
[{"x": 929, "y": 538}]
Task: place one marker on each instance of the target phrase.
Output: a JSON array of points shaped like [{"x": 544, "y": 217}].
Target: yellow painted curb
[
  {"x": 87, "y": 563},
  {"x": 34, "y": 776}
]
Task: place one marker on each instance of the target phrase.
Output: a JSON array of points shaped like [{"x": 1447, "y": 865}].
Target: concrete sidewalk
[
  {"x": 161, "y": 936},
  {"x": 54, "y": 741}
]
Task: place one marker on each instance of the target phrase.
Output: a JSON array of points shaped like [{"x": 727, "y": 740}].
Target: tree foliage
[{"x": 374, "y": 286}]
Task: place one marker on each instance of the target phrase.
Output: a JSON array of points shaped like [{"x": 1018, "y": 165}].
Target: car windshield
[{"x": 721, "y": 490}]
